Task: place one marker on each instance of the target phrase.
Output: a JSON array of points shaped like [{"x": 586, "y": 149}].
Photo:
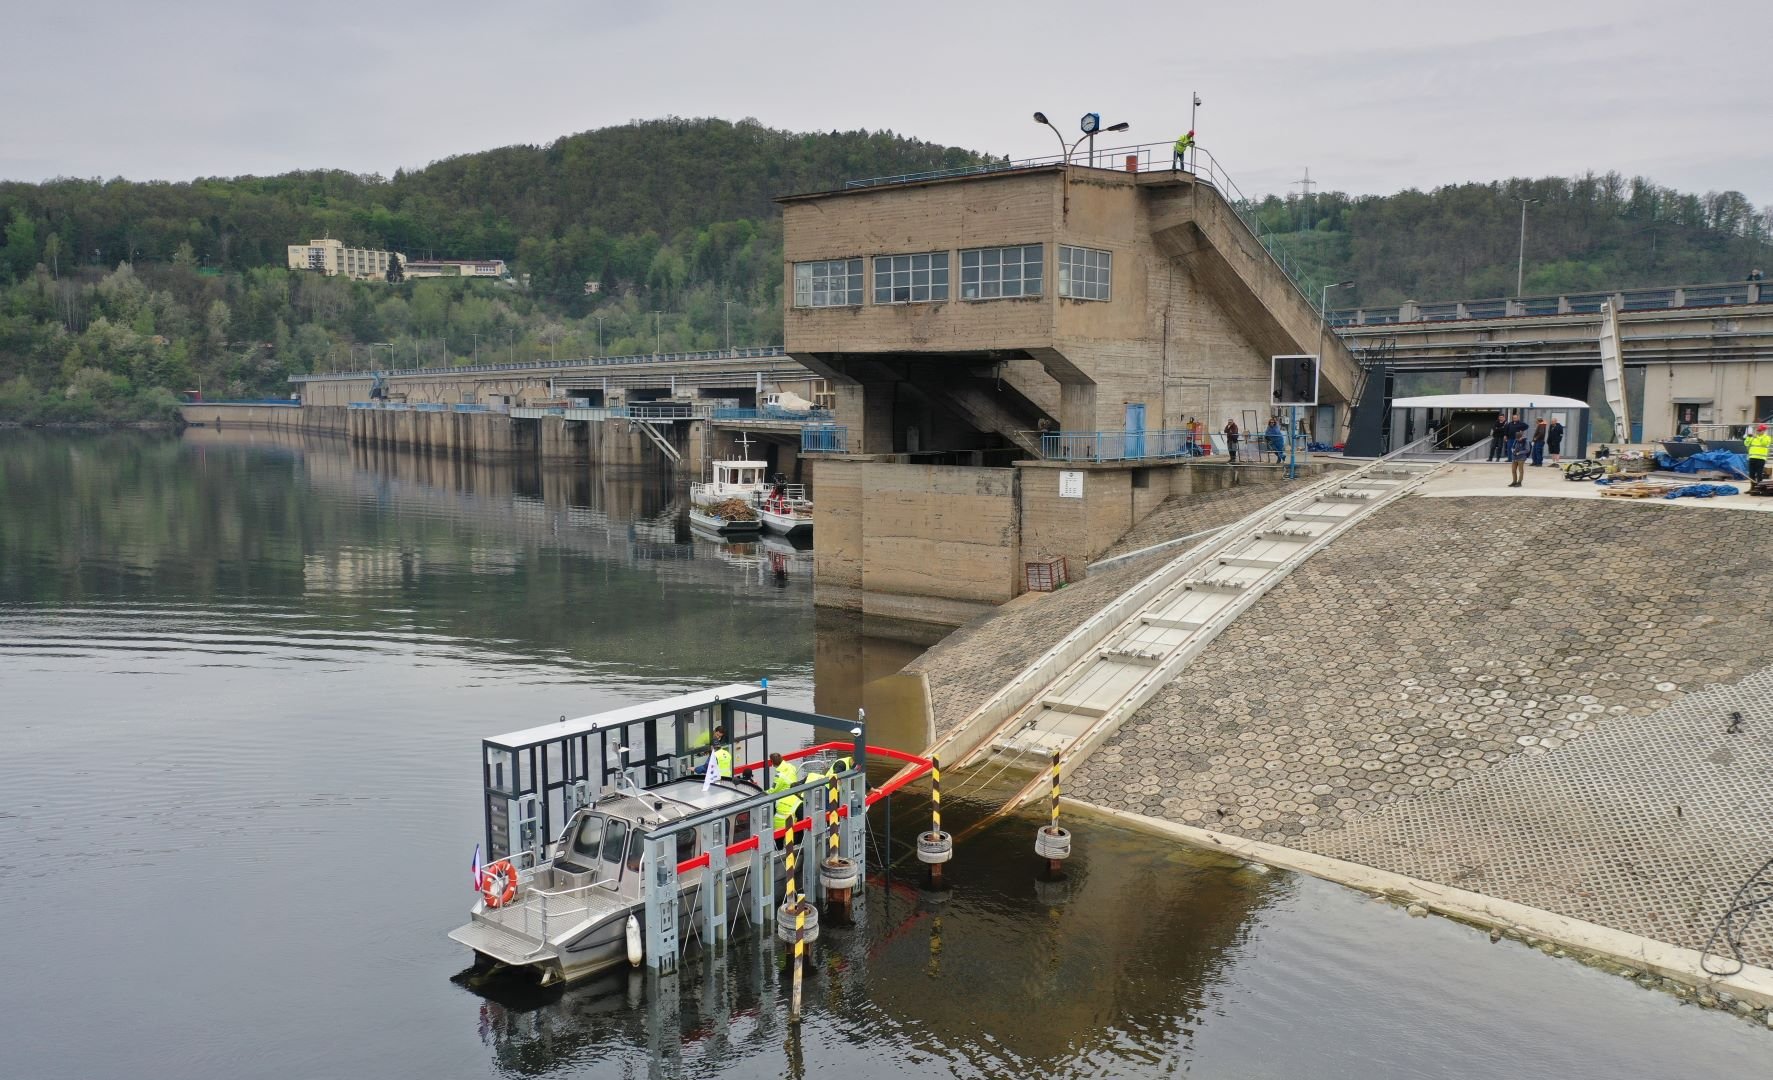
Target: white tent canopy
[{"x": 1492, "y": 402}]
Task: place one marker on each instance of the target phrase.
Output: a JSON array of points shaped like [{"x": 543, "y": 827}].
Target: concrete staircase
[
  {"x": 1195, "y": 223},
  {"x": 1073, "y": 698}
]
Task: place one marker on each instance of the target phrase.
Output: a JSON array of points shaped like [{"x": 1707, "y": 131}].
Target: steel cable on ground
[{"x": 1754, "y": 895}]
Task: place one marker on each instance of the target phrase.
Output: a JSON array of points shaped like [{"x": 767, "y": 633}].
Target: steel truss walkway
[{"x": 1154, "y": 630}]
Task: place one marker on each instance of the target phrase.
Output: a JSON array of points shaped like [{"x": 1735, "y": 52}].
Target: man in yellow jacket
[
  {"x": 1758, "y": 443},
  {"x": 1183, "y": 145},
  {"x": 784, "y": 774}
]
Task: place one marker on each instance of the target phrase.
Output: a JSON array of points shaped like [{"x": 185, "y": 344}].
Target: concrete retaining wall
[
  {"x": 927, "y": 543},
  {"x": 325, "y": 419}
]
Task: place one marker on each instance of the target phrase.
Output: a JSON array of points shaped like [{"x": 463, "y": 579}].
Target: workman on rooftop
[
  {"x": 1758, "y": 443},
  {"x": 1183, "y": 146}
]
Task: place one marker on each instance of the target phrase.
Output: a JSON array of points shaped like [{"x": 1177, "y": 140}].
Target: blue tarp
[
  {"x": 1721, "y": 460},
  {"x": 1702, "y": 491}
]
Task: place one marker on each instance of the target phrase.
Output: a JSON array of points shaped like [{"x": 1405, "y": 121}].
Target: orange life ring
[{"x": 499, "y": 883}]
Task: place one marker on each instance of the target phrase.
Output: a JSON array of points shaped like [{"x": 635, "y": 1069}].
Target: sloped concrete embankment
[{"x": 1526, "y": 701}]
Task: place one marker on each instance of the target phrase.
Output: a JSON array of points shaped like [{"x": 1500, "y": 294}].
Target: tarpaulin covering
[
  {"x": 1721, "y": 460},
  {"x": 1701, "y": 491}
]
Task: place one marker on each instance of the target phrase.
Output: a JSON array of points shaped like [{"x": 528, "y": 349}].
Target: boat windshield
[
  {"x": 589, "y": 837},
  {"x": 615, "y": 838}
]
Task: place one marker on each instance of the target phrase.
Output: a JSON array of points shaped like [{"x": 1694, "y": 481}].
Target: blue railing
[
  {"x": 826, "y": 438},
  {"x": 811, "y": 416},
  {"x": 663, "y": 410},
  {"x": 1156, "y": 445}
]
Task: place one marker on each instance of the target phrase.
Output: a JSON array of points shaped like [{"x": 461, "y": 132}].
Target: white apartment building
[{"x": 333, "y": 258}]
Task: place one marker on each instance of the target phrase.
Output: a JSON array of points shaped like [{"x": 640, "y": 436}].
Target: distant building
[
  {"x": 333, "y": 258},
  {"x": 474, "y": 268}
]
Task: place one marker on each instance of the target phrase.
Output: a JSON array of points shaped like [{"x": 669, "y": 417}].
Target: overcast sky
[{"x": 1370, "y": 96}]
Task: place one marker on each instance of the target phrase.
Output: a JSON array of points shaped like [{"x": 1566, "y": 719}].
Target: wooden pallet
[{"x": 1635, "y": 491}]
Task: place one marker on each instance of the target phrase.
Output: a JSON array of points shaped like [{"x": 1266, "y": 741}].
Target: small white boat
[
  {"x": 726, "y": 503},
  {"x": 785, "y": 509}
]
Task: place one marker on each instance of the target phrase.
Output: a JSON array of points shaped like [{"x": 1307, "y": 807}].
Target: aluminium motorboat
[{"x": 620, "y": 792}]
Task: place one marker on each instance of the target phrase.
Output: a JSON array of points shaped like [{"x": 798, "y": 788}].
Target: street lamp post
[
  {"x": 726, "y": 310},
  {"x": 658, "y": 333},
  {"x": 1520, "y": 270},
  {"x": 1323, "y": 322},
  {"x": 1090, "y": 124},
  {"x": 1192, "y": 110},
  {"x": 599, "y": 335}
]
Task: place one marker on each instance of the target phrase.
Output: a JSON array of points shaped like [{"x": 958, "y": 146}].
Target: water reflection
[
  {"x": 1007, "y": 975},
  {"x": 242, "y": 680}
]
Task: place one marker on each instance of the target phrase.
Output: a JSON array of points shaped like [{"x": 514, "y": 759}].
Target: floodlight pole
[{"x": 1323, "y": 325}]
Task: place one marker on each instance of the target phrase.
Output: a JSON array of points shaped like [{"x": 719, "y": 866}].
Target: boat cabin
[
  {"x": 538, "y": 778},
  {"x": 737, "y": 479}
]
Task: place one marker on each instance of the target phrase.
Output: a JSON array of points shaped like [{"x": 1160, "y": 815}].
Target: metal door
[{"x": 1135, "y": 429}]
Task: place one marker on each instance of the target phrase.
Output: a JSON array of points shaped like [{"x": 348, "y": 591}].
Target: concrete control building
[
  {"x": 969, "y": 323},
  {"x": 333, "y": 258},
  {"x": 963, "y": 313}
]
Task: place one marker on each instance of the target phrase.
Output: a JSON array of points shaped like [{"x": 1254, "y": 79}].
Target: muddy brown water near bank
[{"x": 241, "y": 681}]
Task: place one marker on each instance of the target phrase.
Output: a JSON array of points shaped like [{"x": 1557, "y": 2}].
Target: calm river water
[{"x": 242, "y": 679}]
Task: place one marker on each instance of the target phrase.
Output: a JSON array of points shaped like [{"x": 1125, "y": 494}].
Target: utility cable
[{"x": 1751, "y": 898}]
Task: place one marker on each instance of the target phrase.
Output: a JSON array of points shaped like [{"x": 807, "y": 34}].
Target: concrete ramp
[
  {"x": 1192, "y": 221},
  {"x": 1080, "y": 692}
]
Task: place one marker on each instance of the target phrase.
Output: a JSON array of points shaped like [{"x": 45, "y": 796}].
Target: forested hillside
[
  {"x": 116, "y": 294},
  {"x": 1597, "y": 231}
]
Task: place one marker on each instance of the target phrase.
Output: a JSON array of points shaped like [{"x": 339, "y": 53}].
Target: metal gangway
[{"x": 1068, "y": 702}]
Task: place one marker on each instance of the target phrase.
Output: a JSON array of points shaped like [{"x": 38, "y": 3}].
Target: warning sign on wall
[{"x": 1070, "y": 484}]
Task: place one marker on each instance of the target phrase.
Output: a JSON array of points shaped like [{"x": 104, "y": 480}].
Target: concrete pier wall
[
  {"x": 323, "y": 419},
  {"x": 928, "y": 543},
  {"x": 942, "y": 544}
]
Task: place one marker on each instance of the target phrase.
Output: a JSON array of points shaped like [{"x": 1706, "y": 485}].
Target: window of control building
[
  {"x": 1084, "y": 273},
  {"x": 828, "y": 283},
  {"x": 990, "y": 273},
  {"x": 911, "y": 279}
]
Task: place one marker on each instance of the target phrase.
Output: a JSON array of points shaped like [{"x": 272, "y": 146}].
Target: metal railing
[
  {"x": 1653, "y": 298},
  {"x": 1138, "y": 158},
  {"x": 810, "y": 416},
  {"x": 281, "y": 403},
  {"x": 427, "y": 406},
  {"x": 1104, "y": 446},
  {"x": 824, "y": 439},
  {"x": 552, "y": 365}
]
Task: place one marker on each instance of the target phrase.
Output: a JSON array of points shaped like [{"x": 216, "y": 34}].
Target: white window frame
[
  {"x": 1085, "y": 273},
  {"x": 920, "y": 278},
  {"x": 816, "y": 283},
  {"x": 984, "y": 272}
]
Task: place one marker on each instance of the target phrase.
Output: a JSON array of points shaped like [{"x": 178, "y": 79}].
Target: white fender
[{"x": 635, "y": 953}]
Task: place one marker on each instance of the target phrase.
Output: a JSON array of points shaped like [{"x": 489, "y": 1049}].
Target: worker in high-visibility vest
[
  {"x": 722, "y": 755},
  {"x": 1183, "y": 145},
  {"x": 784, "y": 774},
  {"x": 1758, "y": 445}
]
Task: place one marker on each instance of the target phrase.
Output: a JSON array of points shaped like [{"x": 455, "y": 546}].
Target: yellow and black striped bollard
[
  {"x": 1051, "y": 842},
  {"x": 935, "y": 847}
]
